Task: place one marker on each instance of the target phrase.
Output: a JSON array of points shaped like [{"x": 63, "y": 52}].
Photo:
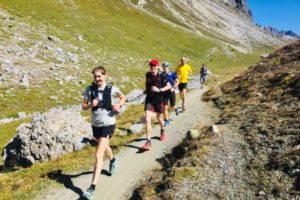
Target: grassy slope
[
  {"x": 38, "y": 178},
  {"x": 113, "y": 29},
  {"x": 110, "y": 28}
]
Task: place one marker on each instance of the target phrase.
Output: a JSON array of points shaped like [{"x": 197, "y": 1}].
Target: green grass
[
  {"x": 110, "y": 29},
  {"x": 182, "y": 173},
  {"x": 7, "y": 132},
  {"x": 33, "y": 99},
  {"x": 12, "y": 184}
]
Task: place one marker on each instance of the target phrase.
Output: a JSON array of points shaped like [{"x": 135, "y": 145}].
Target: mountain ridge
[
  {"x": 65, "y": 38},
  {"x": 224, "y": 20}
]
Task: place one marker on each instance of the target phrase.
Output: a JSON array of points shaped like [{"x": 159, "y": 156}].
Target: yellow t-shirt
[{"x": 183, "y": 72}]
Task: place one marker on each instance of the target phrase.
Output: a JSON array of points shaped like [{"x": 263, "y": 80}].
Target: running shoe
[
  {"x": 89, "y": 193},
  {"x": 167, "y": 122},
  {"x": 147, "y": 145},
  {"x": 162, "y": 135},
  {"x": 112, "y": 165},
  {"x": 176, "y": 111}
]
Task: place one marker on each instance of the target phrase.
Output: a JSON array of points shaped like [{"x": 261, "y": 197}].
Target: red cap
[{"x": 154, "y": 62}]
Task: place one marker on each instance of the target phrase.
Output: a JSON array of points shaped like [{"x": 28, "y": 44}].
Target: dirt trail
[{"x": 133, "y": 165}]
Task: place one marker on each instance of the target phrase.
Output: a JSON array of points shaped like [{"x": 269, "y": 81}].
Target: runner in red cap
[{"x": 156, "y": 85}]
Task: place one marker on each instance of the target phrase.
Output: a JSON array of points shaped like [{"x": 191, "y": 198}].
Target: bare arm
[
  {"x": 87, "y": 105},
  {"x": 117, "y": 107},
  {"x": 167, "y": 87},
  {"x": 176, "y": 83},
  {"x": 163, "y": 89}
]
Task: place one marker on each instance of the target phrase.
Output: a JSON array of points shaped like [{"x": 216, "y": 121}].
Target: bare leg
[
  {"x": 166, "y": 113},
  {"x": 183, "y": 98},
  {"x": 102, "y": 146},
  {"x": 148, "y": 115},
  {"x": 108, "y": 152},
  {"x": 160, "y": 120}
]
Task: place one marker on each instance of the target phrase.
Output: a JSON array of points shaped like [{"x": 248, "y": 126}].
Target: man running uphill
[
  {"x": 156, "y": 84},
  {"x": 170, "y": 94},
  {"x": 203, "y": 74},
  {"x": 98, "y": 97},
  {"x": 183, "y": 71}
]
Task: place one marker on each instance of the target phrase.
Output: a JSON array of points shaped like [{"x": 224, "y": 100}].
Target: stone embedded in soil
[{"x": 47, "y": 137}]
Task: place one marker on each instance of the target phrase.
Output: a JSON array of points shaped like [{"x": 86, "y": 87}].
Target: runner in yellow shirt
[{"x": 183, "y": 72}]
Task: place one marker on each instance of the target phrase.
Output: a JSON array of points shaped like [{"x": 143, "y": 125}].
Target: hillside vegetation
[
  {"x": 65, "y": 39},
  {"x": 48, "y": 48},
  {"x": 263, "y": 102}
]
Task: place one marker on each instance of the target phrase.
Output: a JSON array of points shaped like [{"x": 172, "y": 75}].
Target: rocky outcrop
[
  {"x": 48, "y": 136},
  {"x": 289, "y": 35},
  {"x": 136, "y": 96},
  {"x": 241, "y": 5},
  {"x": 225, "y": 18}
]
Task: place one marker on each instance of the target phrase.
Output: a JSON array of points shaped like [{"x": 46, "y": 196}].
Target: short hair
[{"x": 99, "y": 68}]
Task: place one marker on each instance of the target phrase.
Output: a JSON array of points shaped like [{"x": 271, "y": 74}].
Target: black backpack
[{"x": 106, "y": 103}]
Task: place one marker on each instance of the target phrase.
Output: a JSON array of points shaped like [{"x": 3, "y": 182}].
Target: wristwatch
[{"x": 160, "y": 90}]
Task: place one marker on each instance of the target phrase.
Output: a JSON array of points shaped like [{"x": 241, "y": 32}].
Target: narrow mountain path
[{"x": 132, "y": 165}]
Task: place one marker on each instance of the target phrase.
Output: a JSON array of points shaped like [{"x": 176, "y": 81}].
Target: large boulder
[
  {"x": 48, "y": 136},
  {"x": 136, "y": 96}
]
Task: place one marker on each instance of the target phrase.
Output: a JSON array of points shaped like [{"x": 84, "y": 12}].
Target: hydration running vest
[{"x": 106, "y": 102}]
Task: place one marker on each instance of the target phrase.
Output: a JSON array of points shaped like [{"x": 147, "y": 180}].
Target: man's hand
[
  {"x": 154, "y": 89},
  {"x": 95, "y": 103},
  {"x": 117, "y": 107},
  {"x": 172, "y": 89}
]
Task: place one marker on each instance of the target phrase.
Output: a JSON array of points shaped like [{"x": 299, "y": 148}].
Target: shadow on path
[
  {"x": 66, "y": 179},
  {"x": 143, "y": 139},
  {"x": 140, "y": 150}
]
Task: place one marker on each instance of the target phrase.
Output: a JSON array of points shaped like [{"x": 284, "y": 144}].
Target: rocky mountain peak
[{"x": 241, "y": 5}]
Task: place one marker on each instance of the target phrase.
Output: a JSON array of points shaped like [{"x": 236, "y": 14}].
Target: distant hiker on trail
[
  {"x": 184, "y": 71},
  {"x": 156, "y": 84},
  {"x": 169, "y": 94},
  {"x": 99, "y": 97},
  {"x": 203, "y": 74}
]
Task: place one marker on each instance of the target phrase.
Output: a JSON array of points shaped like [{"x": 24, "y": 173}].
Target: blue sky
[{"x": 281, "y": 14}]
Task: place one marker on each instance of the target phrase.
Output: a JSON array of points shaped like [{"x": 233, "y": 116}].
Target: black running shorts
[
  {"x": 170, "y": 96},
  {"x": 104, "y": 131},
  {"x": 182, "y": 86},
  {"x": 155, "y": 107}
]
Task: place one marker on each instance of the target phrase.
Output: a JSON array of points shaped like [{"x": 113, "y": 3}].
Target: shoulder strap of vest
[
  {"x": 107, "y": 97},
  {"x": 94, "y": 91}
]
